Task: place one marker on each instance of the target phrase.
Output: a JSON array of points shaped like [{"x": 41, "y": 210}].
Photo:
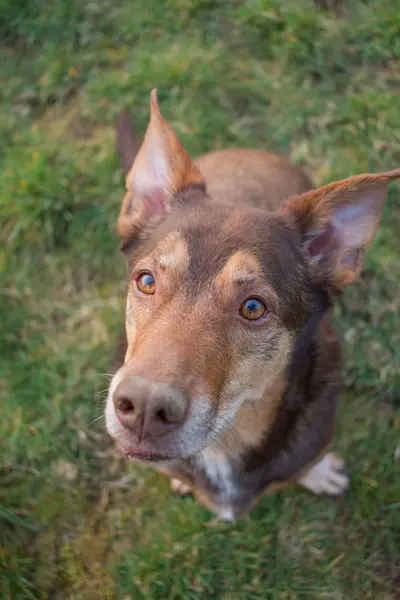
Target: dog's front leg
[
  {"x": 327, "y": 476},
  {"x": 181, "y": 482}
]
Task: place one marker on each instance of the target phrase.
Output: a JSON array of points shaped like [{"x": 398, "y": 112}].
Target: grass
[{"x": 320, "y": 85}]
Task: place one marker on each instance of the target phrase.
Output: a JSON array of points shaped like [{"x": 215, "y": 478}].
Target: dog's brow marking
[
  {"x": 239, "y": 268},
  {"x": 173, "y": 253}
]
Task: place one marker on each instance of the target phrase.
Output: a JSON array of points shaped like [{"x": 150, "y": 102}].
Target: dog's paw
[
  {"x": 326, "y": 477},
  {"x": 180, "y": 488}
]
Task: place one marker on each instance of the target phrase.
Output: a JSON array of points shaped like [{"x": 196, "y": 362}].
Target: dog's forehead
[
  {"x": 234, "y": 245},
  {"x": 246, "y": 241},
  {"x": 201, "y": 244},
  {"x": 211, "y": 245},
  {"x": 202, "y": 240}
]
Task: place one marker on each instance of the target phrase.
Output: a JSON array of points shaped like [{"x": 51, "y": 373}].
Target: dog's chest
[{"x": 218, "y": 470}]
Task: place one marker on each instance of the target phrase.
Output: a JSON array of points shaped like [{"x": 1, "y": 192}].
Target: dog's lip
[{"x": 132, "y": 451}]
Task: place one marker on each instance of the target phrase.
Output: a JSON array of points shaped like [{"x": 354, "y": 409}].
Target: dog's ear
[
  {"x": 161, "y": 169},
  {"x": 337, "y": 222}
]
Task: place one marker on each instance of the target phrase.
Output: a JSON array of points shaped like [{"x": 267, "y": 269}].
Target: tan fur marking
[
  {"x": 173, "y": 253},
  {"x": 240, "y": 267},
  {"x": 254, "y": 419}
]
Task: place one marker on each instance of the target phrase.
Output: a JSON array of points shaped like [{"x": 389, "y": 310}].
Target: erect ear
[
  {"x": 161, "y": 169},
  {"x": 337, "y": 222}
]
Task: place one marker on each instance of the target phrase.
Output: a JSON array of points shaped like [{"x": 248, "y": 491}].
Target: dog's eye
[
  {"x": 253, "y": 309},
  {"x": 146, "y": 283}
]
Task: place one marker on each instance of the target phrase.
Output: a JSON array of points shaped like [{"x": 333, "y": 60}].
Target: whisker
[
  {"x": 224, "y": 430},
  {"x": 228, "y": 427},
  {"x": 108, "y": 376},
  {"x": 98, "y": 407},
  {"x": 97, "y": 419}
]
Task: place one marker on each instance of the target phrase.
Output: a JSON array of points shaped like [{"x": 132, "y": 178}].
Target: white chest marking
[{"x": 219, "y": 471}]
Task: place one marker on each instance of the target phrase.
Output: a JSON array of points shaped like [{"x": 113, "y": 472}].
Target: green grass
[{"x": 322, "y": 86}]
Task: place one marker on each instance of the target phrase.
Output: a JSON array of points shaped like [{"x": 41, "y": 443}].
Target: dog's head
[{"x": 218, "y": 293}]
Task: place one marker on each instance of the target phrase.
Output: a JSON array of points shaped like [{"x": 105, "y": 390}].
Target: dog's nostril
[
  {"x": 125, "y": 405},
  {"x": 162, "y": 415}
]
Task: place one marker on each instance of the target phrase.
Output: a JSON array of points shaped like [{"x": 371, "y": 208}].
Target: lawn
[{"x": 321, "y": 85}]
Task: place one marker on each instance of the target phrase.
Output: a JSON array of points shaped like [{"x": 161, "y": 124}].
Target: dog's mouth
[{"x": 133, "y": 452}]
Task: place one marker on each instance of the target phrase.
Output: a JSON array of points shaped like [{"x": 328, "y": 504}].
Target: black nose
[{"x": 149, "y": 408}]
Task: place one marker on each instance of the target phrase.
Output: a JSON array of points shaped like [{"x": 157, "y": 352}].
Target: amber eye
[
  {"x": 146, "y": 283},
  {"x": 253, "y": 309}
]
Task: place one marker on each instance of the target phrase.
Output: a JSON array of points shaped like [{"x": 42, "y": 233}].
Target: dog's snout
[{"x": 149, "y": 408}]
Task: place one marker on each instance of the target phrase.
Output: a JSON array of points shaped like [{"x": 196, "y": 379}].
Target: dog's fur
[{"x": 261, "y": 395}]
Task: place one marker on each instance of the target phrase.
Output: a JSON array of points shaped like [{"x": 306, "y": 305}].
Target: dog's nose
[{"x": 149, "y": 408}]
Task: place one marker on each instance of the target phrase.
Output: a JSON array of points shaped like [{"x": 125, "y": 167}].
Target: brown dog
[{"x": 231, "y": 374}]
